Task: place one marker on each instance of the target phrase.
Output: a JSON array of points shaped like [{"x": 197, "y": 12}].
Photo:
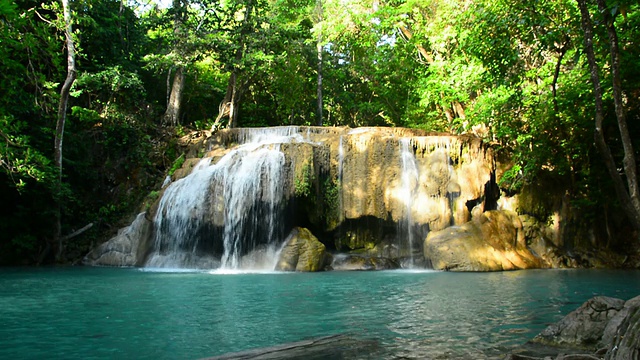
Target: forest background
[{"x": 520, "y": 74}]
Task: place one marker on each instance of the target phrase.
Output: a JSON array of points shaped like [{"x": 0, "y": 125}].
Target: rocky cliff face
[
  {"x": 375, "y": 193},
  {"x": 602, "y": 328},
  {"x": 493, "y": 241}
]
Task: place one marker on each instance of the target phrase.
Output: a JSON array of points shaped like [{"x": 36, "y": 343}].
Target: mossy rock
[{"x": 302, "y": 252}]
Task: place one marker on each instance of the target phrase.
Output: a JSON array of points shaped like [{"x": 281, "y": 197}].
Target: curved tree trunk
[
  {"x": 62, "y": 117},
  {"x": 628, "y": 197},
  {"x": 231, "y": 102},
  {"x": 629, "y": 160},
  {"x": 172, "y": 114}
]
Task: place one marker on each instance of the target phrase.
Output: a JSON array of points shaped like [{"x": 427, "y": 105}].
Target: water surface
[{"x": 102, "y": 313}]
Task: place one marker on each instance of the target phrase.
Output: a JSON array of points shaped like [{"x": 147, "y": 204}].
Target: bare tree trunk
[
  {"x": 628, "y": 198},
  {"x": 168, "y": 86},
  {"x": 172, "y": 114},
  {"x": 629, "y": 160},
  {"x": 319, "y": 14},
  {"x": 228, "y": 105},
  {"x": 231, "y": 101},
  {"x": 62, "y": 117},
  {"x": 174, "y": 102},
  {"x": 319, "y": 90},
  {"x": 234, "y": 98}
]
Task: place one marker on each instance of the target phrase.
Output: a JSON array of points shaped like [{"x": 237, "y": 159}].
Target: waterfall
[
  {"x": 180, "y": 220},
  {"x": 252, "y": 195},
  {"x": 409, "y": 182},
  {"x": 340, "y": 175},
  {"x": 389, "y": 188},
  {"x": 227, "y": 214}
]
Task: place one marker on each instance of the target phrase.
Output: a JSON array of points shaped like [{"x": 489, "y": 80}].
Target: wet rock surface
[
  {"x": 345, "y": 262},
  {"x": 302, "y": 252},
  {"x": 602, "y": 328},
  {"x": 339, "y": 346},
  {"x": 493, "y": 241},
  {"x": 126, "y": 248}
]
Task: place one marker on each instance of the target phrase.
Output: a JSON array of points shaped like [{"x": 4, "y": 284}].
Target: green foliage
[
  {"x": 303, "y": 184},
  {"x": 331, "y": 201},
  {"x": 177, "y": 164},
  {"x": 510, "y": 71},
  {"x": 18, "y": 158}
]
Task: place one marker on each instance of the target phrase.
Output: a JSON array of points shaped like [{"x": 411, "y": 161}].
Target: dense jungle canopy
[{"x": 537, "y": 79}]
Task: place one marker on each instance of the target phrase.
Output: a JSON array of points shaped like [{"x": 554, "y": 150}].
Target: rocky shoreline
[{"x": 602, "y": 328}]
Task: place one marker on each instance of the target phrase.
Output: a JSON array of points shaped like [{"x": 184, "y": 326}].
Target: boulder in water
[
  {"x": 302, "y": 252},
  {"x": 356, "y": 262},
  {"x": 584, "y": 327},
  {"x": 493, "y": 241},
  {"x": 603, "y": 327},
  {"x": 127, "y": 248}
]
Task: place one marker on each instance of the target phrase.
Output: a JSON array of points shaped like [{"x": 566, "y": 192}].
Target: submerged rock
[
  {"x": 326, "y": 347},
  {"x": 602, "y": 328},
  {"x": 302, "y": 252},
  {"x": 356, "y": 262},
  {"x": 493, "y": 241},
  {"x": 127, "y": 248}
]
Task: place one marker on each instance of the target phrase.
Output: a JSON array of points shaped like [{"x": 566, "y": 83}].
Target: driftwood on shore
[{"x": 339, "y": 346}]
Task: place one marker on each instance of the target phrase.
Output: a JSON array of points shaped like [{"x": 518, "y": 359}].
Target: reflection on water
[{"x": 127, "y": 313}]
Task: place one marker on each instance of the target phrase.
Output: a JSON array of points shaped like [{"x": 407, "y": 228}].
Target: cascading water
[
  {"x": 252, "y": 196},
  {"x": 179, "y": 219},
  {"x": 225, "y": 210},
  {"x": 410, "y": 178},
  {"x": 340, "y": 175},
  {"x": 388, "y": 187}
]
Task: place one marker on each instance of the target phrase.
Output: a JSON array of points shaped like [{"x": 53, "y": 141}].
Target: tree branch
[
  {"x": 9, "y": 141},
  {"x": 76, "y": 233}
]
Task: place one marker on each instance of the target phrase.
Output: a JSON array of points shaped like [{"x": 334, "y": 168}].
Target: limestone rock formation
[
  {"x": 302, "y": 252},
  {"x": 374, "y": 192},
  {"x": 602, "y": 328},
  {"x": 127, "y": 248},
  {"x": 622, "y": 333},
  {"x": 493, "y": 241},
  {"x": 584, "y": 327},
  {"x": 355, "y": 262}
]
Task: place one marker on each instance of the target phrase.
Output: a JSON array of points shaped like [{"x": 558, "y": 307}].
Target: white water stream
[
  {"x": 410, "y": 179},
  {"x": 231, "y": 209}
]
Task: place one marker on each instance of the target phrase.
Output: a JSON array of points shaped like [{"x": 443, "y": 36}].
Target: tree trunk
[
  {"x": 172, "y": 115},
  {"x": 62, "y": 117},
  {"x": 628, "y": 198},
  {"x": 231, "y": 101},
  {"x": 629, "y": 160},
  {"x": 174, "y": 102},
  {"x": 234, "y": 98},
  {"x": 319, "y": 14}
]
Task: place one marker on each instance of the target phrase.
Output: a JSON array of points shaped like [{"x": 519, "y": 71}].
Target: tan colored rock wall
[
  {"x": 340, "y": 181},
  {"x": 494, "y": 241},
  {"x": 342, "y": 175}
]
